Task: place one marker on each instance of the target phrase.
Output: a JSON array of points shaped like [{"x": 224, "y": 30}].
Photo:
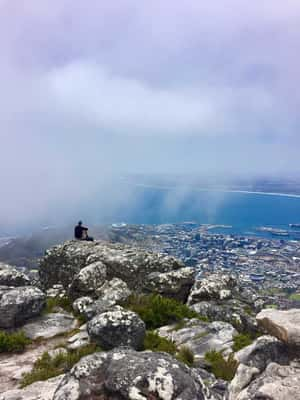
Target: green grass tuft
[
  {"x": 156, "y": 310},
  {"x": 13, "y": 342},
  {"x": 54, "y": 302},
  {"x": 154, "y": 342},
  {"x": 241, "y": 340},
  {"x": 186, "y": 356},
  {"x": 295, "y": 297},
  {"x": 222, "y": 368},
  {"x": 47, "y": 367}
]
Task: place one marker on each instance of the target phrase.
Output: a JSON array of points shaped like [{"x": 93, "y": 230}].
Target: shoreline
[{"x": 297, "y": 196}]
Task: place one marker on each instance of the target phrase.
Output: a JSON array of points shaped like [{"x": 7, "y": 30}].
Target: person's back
[
  {"x": 81, "y": 232},
  {"x": 78, "y": 231}
]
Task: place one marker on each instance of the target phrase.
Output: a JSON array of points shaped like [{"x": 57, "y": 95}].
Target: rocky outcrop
[
  {"x": 10, "y": 276},
  {"x": 117, "y": 327},
  {"x": 262, "y": 351},
  {"x": 253, "y": 361},
  {"x": 49, "y": 325},
  {"x": 127, "y": 374},
  {"x": 114, "y": 291},
  {"x": 88, "y": 280},
  {"x": 176, "y": 284},
  {"x": 215, "y": 287},
  {"x": 19, "y": 304},
  {"x": 89, "y": 308},
  {"x": 62, "y": 263},
  {"x": 278, "y": 382},
  {"x": 285, "y": 325},
  {"x": 221, "y": 297},
  {"x": 37, "y": 391},
  {"x": 201, "y": 336},
  {"x": 232, "y": 311}
]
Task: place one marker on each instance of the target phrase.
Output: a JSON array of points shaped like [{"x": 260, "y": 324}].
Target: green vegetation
[
  {"x": 157, "y": 311},
  {"x": 273, "y": 291},
  {"x": 54, "y": 302},
  {"x": 248, "y": 310},
  {"x": 221, "y": 367},
  {"x": 186, "y": 356},
  {"x": 47, "y": 367},
  {"x": 155, "y": 342},
  {"x": 13, "y": 342},
  {"x": 274, "y": 306},
  {"x": 295, "y": 297},
  {"x": 241, "y": 340}
]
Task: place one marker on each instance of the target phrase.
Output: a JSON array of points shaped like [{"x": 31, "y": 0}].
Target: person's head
[{"x": 79, "y": 222}]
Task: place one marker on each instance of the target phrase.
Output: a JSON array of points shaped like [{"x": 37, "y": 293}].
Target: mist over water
[
  {"x": 99, "y": 90},
  {"x": 153, "y": 205}
]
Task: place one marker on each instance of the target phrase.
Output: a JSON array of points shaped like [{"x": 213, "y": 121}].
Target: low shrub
[
  {"x": 186, "y": 356},
  {"x": 54, "y": 302},
  {"x": 154, "y": 342},
  {"x": 47, "y": 367},
  {"x": 295, "y": 297},
  {"x": 241, "y": 340},
  {"x": 156, "y": 310},
  {"x": 222, "y": 368},
  {"x": 13, "y": 342}
]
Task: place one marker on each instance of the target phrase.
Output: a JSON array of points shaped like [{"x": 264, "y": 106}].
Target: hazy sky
[{"x": 90, "y": 89}]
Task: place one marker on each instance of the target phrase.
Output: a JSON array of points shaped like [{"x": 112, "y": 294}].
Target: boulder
[
  {"x": 262, "y": 351},
  {"x": 80, "y": 304},
  {"x": 43, "y": 390},
  {"x": 175, "y": 284},
  {"x": 285, "y": 325},
  {"x": 88, "y": 280},
  {"x": 89, "y": 308},
  {"x": 19, "y": 304},
  {"x": 201, "y": 336},
  {"x": 61, "y": 263},
  {"x": 232, "y": 311},
  {"x": 49, "y": 325},
  {"x": 114, "y": 291},
  {"x": 243, "y": 376},
  {"x": 253, "y": 361},
  {"x": 214, "y": 287},
  {"x": 217, "y": 387},
  {"x": 10, "y": 276},
  {"x": 278, "y": 382},
  {"x": 117, "y": 327},
  {"x": 127, "y": 374}
]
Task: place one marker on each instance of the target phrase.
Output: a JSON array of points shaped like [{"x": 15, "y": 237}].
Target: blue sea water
[{"x": 243, "y": 211}]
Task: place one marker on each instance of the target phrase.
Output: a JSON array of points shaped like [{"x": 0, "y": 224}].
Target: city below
[{"x": 271, "y": 266}]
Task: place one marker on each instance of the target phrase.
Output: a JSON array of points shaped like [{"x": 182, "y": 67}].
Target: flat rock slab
[
  {"x": 80, "y": 339},
  {"x": 37, "y": 391},
  {"x": 13, "y": 366},
  {"x": 285, "y": 325},
  {"x": 50, "y": 325},
  {"x": 201, "y": 336}
]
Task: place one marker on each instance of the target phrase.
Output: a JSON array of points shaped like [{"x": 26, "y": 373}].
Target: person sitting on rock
[{"x": 81, "y": 232}]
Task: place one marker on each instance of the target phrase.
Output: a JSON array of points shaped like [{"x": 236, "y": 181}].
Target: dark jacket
[{"x": 78, "y": 231}]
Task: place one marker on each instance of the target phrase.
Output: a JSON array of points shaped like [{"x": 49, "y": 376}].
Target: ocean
[{"x": 244, "y": 212}]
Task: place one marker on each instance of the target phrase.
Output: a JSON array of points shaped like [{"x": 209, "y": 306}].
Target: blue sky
[{"x": 94, "y": 89}]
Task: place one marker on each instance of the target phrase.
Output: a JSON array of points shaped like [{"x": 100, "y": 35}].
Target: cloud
[{"x": 98, "y": 90}]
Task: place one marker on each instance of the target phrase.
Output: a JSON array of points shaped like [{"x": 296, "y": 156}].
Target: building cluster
[{"x": 269, "y": 265}]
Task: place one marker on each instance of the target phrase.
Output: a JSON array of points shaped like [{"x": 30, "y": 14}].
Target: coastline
[{"x": 297, "y": 196}]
